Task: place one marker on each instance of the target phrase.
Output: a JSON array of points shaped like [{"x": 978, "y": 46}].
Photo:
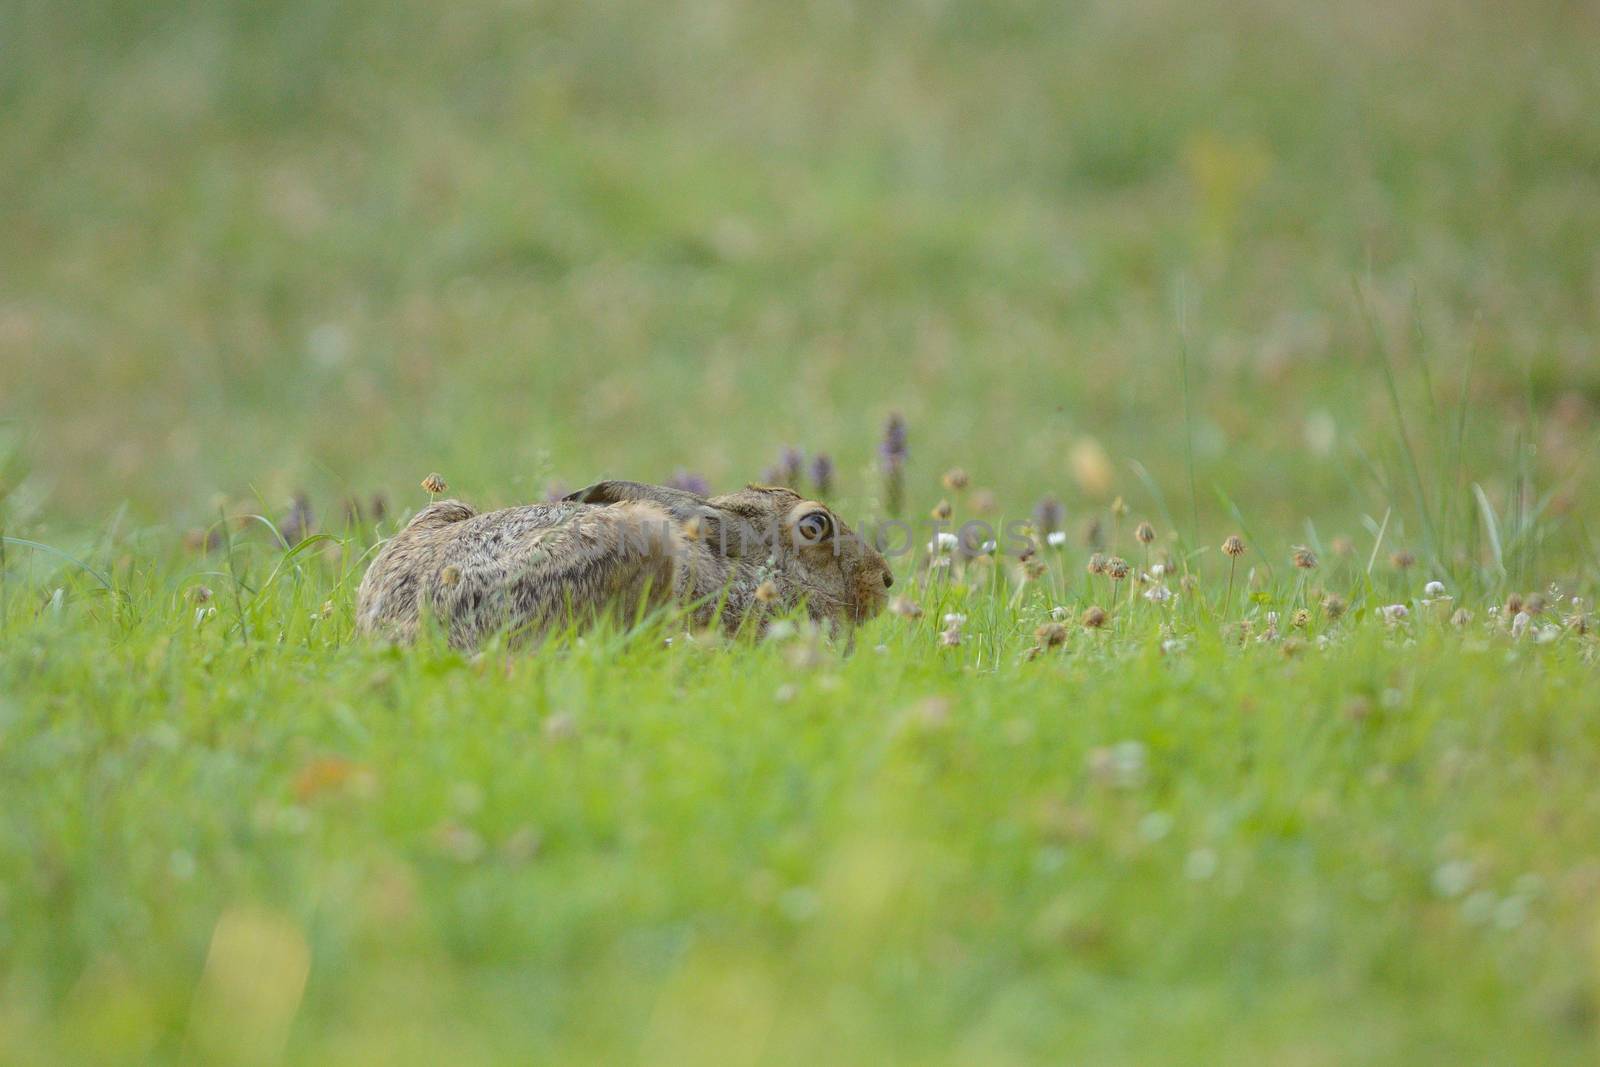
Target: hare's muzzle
[{"x": 872, "y": 585}]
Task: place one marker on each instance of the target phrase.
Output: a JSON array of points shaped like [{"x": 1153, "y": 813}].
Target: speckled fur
[{"x": 621, "y": 548}]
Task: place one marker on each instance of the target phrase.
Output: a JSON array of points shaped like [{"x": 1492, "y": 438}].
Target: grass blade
[
  {"x": 51, "y": 550},
  {"x": 1491, "y": 526}
]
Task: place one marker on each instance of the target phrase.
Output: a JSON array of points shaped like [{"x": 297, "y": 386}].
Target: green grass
[
  {"x": 1360, "y": 842},
  {"x": 1317, "y": 275}
]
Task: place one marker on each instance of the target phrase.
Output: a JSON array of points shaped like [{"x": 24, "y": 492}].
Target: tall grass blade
[
  {"x": 1491, "y": 526},
  {"x": 51, "y": 550},
  {"x": 1188, "y": 417},
  {"x": 1378, "y": 346},
  {"x": 1377, "y": 540}
]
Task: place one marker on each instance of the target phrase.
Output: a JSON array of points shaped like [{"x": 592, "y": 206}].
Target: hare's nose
[{"x": 888, "y": 580}]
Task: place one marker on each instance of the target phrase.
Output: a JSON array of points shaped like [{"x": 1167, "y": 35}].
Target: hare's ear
[
  {"x": 682, "y": 504},
  {"x": 612, "y": 492}
]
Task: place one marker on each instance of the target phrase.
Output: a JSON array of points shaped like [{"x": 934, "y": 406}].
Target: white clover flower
[
  {"x": 1155, "y": 826},
  {"x": 944, "y": 541},
  {"x": 1519, "y": 623},
  {"x": 1452, "y": 878},
  {"x": 1200, "y": 865},
  {"x": 1433, "y": 589},
  {"x": 1056, "y": 538},
  {"x": 988, "y": 547},
  {"x": 1158, "y": 594},
  {"x": 1158, "y": 570},
  {"x": 1547, "y": 633},
  {"x": 955, "y": 621},
  {"x": 1393, "y": 613},
  {"x": 1128, "y": 764}
]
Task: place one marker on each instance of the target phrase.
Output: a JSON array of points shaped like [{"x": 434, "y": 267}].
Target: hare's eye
[{"x": 814, "y": 526}]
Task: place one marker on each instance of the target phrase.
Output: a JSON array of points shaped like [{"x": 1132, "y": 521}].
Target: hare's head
[
  {"x": 772, "y": 534},
  {"x": 812, "y": 556}
]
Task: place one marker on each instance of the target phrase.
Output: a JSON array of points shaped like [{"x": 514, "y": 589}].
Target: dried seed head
[
  {"x": 200, "y": 594},
  {"x": 941, "y": 510},
  {"x": 434, "y": 484},
  {"x": 1402, "y": 560},
  {"x": 951, "y": 637},
  {"x": 1333, "y": 606},
  {"x": 905, "y": 607},
  {"x": 1051, "y": 635},
  {"x": 1233, "y": 546},
  {"x": 1094, "y": 618},
  {"x": 1342, "y": 547},
  {"x": 984, "y": 502},
  {"x": 1513, "y": 604},
  {"x": 766, "y": 593},
  {"x": 1534, "y": 604},
  {"x": 1117, "y": 568},
  {"x": 1144, "y": 533},
  {"x": 1304, "y": 558},
  {"x": 955, "y": 479},
  {"x": 1097, "y": 564},
  {"x": 1034, "y": 568},
  {"x": 1300, "y": 619},
  {"x": 1460, "y": 618},
  {"x": 451, "y": 575}
]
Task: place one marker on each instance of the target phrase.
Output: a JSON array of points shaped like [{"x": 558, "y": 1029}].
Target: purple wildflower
[
  {"x": 791, "y": 462},
  {"x": 892, "y": 456},
  {"x": 1048, "y": 515},
  {"x": 822, "y": 474},
  {"x": 689, "y": 482},
  {"x": 298, "y": 524}
]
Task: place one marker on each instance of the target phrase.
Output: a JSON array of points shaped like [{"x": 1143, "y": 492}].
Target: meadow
[{"x": 1321, "y": 278}]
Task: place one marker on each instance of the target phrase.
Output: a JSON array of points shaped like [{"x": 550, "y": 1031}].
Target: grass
[
  {"x": 1166, "y": 840},
  {"x": 1313, "y": 276}
]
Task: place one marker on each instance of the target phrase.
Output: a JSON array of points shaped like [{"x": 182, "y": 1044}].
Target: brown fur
[{"x": 621, "y": 548}]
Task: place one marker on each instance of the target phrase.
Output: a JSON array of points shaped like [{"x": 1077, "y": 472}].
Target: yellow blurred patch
[
  {"x": 1091, "y": 467},
  {"x": 250, "y": 990},
  {"x": 1223, "y": 171}
]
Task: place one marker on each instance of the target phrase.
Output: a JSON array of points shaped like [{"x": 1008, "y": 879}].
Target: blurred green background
[{"x": 254, "y": 248}]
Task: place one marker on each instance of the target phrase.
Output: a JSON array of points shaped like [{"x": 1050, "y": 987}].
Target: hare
[{"x": 625, "y": 548}]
